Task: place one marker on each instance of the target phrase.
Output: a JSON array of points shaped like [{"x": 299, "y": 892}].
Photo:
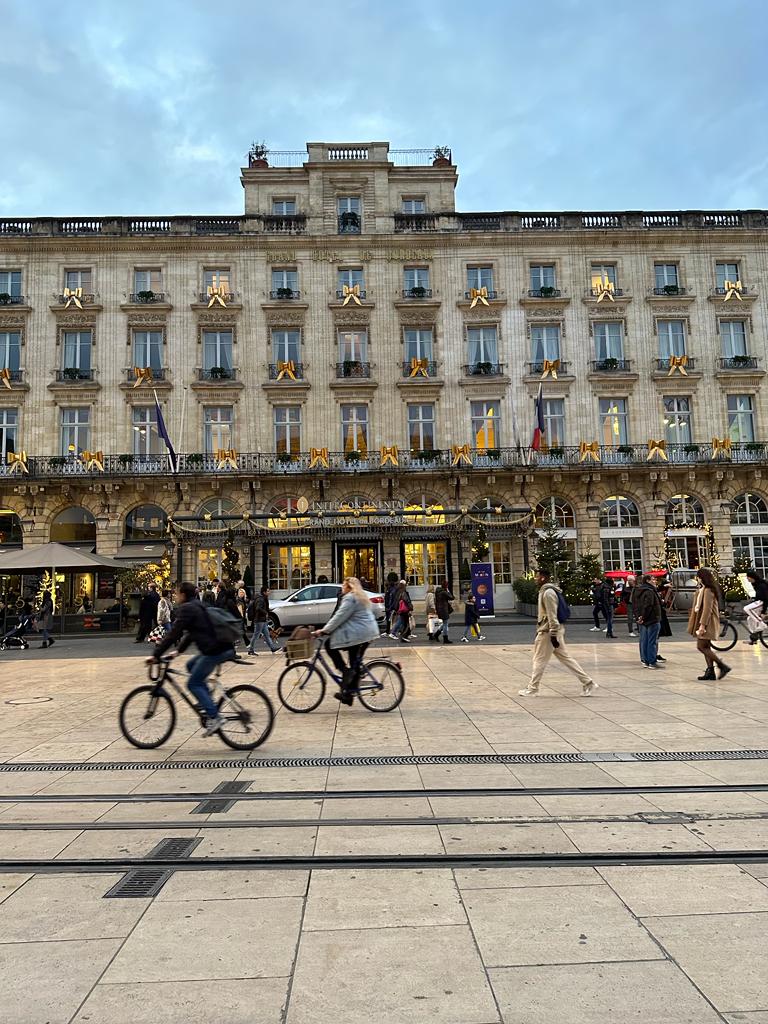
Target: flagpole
[{"x": 183, "y": 418}]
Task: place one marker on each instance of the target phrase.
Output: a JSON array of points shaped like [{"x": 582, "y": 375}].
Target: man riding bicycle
[
  {"x": 193, "y": 625},
  {"x": 351, "y": 628}
]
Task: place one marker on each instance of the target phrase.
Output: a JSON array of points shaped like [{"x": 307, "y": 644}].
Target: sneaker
[
  {"x": 481, "y": 637},
  {"x": 465, "y": 640},
  {"x": 392, "y": 636},
  {"x": 750, "y": 643},
  {"x": 659, "y": 658},
  {"x": 214, "y": 725},
  {"x": 51, "y": 643},
  {"x": 252, "y": 654},
  {"x": 277, "y": 650},
  {"x": 594, "y": 629},
  {"x": 588, "y": 688},
  {"x": 403, "y": 639},
  {"x": 724, "y": 670},
  {"x": 528, "y": 692},
  {"x": 446, "y": 640},
  {"x": 633, "y": 634},
  {"x": 604, "y": 629}
]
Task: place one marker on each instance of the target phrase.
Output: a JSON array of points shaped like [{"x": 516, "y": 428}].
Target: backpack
[
  {"x": 563, "y": 608},
  {"x": 224, "y": 626}
]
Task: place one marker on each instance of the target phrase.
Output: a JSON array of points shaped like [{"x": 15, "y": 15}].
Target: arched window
[
  {"x": 749, "y": 510},
  {"x": 415, "y": 514},
  {"x": 285, "y": 512},
  {"x": 74, "y": 525},
  {"x": 11, "y": 534},
  {"x": 617, "y": 512},
  {"x": 684, "y": 510},
  {"x": 146, "y": 522},
  {"x": 558, "y": 510},
  {"x": 485, "y": 507},
  {"x": 215, "y": 507}
]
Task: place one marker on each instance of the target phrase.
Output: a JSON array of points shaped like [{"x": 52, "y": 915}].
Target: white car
[{"x": 314, "y": 605}]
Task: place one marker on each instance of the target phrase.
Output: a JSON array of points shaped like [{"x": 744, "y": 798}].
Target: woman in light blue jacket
[{"x": 351, "y": 628}]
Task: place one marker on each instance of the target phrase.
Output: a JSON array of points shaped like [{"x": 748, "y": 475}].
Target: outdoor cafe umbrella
[{"x": 54, "y": 557}]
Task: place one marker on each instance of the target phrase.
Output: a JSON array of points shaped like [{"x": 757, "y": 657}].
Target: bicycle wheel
[
  {"x": 727, "y": 639},
  {"x": 147, "y": 717},
  {"x": 381, "y": 686},
  {"x": 249, "y": 717},
  {"x": 763, "y": 639},
  {"x": 301, "y": 687}
]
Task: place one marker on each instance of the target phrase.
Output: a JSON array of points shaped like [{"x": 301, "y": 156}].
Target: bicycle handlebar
[{"x": 157, "y": 670}]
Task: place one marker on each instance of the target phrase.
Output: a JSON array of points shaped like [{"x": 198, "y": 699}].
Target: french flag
[{"x": 538, "y": 430}]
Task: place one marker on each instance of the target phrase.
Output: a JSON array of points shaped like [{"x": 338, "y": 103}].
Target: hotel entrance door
[{"x": 361, "y": 560}]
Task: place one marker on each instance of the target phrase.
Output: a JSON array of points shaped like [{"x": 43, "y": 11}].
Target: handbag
[
  {"x": 156, "y": 635},
  {"x": 434, "y": 625}
]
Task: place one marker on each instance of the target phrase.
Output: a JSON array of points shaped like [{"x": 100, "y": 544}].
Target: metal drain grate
[
  {"x": 699, "y": 755},
  {"x": 214, "y": 806},
  {"x": 142, "y": 883}
]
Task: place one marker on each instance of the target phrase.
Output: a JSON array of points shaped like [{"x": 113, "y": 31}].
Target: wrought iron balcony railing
[
  {"x": 341, "y": 296},
  {"x": 611, "y": 365},
  {"x": 545, "y": 292},
  {"x": 221, "y": 374},
  {"x": 86, "y": 299},
  {"x": 14, "y": 376},
  {"x": 73, "y": 375},
  {"x": 278, "y": 371},
  {"x": 417, "y": 292},
  {"x": 595, "y": 293},
  {"x": 669, "y": 289},
  {"x": 353, "y": 368},
  {"x": 159, "y": 373},
  {"x": 146, "y": 298},
  {"x": 225, "y": 296},
  {"x": 285, "y": 294},
  {"x": 430, "y": 370},
  {"x": 738, "y": 363},
  {"x": 490, "y": 294},
  {"x": 10, "y": 299},
  {"x": 664, "y": 363},
  {"x": 349, "y": 224},
  {"x": 536, "y": 369},
  {"x": 484, "y": 369}
]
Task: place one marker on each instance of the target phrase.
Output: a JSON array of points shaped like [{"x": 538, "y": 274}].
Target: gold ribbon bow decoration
[
  {"x": 217, "y": 294},
  {"x": 657, "y": 450},
  {"x": 604, "y": 289},
  {"x": 318, "y": 457},
  {"x": 226, "y": 458},
  {"x": 550, "y": 368},
  {"x": 460, "y": 453},
  {"x": 419, "y": 367},
  {"x": 286, "y": 368},
  {"x": 18, "y": 462},
  {"x": 351, "y": 293},
  {"x": 733, "y": 289},
  {"x": 678, "y": 363},
  {"x": 721, "y": 447},
  {"x": 5, "y": 377},
  {"x": 589, "y": 450},
  {"x": 389, "y": 454},
  {"x": 73, "y": 296},
  {"x": 478, "y": 295},
  {"x": 143, "y": 375},
  {"x": 92, "y": 460}
]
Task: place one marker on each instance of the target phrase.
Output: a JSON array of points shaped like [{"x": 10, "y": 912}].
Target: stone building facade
[{"x": 349, "y": 373}]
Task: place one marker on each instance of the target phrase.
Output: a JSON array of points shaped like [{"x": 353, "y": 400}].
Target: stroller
[{"x": 14, "y": 638}]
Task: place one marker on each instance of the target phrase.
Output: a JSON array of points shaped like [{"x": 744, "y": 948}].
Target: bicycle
[
  {"x": 729, "y": 634},
  {"x": 148, "y": 713},
  {"x": 301, "y": 686}
]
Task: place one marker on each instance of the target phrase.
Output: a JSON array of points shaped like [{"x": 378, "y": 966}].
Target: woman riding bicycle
[{"x": 351, "y": 628}]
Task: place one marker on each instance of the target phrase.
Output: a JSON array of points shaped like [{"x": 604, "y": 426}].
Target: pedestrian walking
[
  {"x": 646, "y": 606},
  {"x": 704, "y": 623},
  {"x": 596, "y": 594},
  {"x": 443, "y": 598},
  {"x": 164, "y": 610},
  {"x": 45, "y": 618},
  {"x": 404, "y": 607},
  {"x": 756, "y": 609},
  {"x": 258, "y": 612},
  {"x": 608, "y": 601},
  {"x": 471, "y": 620},
  {"x": 550, "y": 639},
  {"x": 433, "y": 622},
  {"x": 241, "y": 600},
  {"x": 147, "y": 613},
  {"x": 664, "y": 587},
  {"x": 390, "y": 605},
  {"x": 627, "y": 594}
]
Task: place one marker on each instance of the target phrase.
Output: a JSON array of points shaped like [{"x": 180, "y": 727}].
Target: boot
[
  {"x": 446, "y": 640},
  {"x": 709, "y": 674}
]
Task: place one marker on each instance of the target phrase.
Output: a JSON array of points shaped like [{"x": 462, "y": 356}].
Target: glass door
[{"x": 361, "y": 561}]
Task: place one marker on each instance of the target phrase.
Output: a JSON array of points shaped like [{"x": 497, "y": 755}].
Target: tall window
[
  {"x": 749, "y": 523},
  {"x": 350, "y": 276},
  {"x": 741, "y": 418},
  {"x": 733, "y": 337},
  {"x": 354, "y": 428},
  {"x": 609, "y": 340},
  {"x": 10, "y": 350},
  {"x": 485, "y": 424},
  {"x": 542, "y": 276},
  {"x": 545, "y": 343},
  {"x": 671, "y": 338},
  {"x": 146, "y": 522},
  {"x": 218, "y": 427},
  {"x": 421, "y": 427},
  {"x": 284, "y": 207},
  {"x": 10, "y": 283},
  {"x": 285, "y": 279},
  {"x": 749, "y": 510},
  {"x": 286, "y": 345},
  {"x": 482, "y": 346},
  {"x": 558, "y": 510},
  {"x": 148, "y": 349},
  {"x": 753, "y": 550},
  {"x": 287, "y": 419},
  {"x": 9, "y": 425},
  {"x": 684, "y": 510},
  {"x": 614, "y": 421},
  {"x": 217, "y": 350},
  {"x": 425, "y": 563},
  {"x": 622, "y": 553},
  {"x": 75, "y": 430},
  {"x": 677, "y": 420},
  {"x": 480, "y": 277},
  {"x": 501, "y": 559},
  {"x": 726, "y": 272},
  {"x": 147, "y": 279},
  {"x": 602, "y": 273},
  {"x": 666, "y": 274},
  {"x": 353, "y": 346},
  {"x": 554, "y": 421},
  {"x": 217, "y": 277},
  {"x": 418, "y": 343},
  {"x": 414, "y": 204},
  {"x": 146, "y": 440},
  {"x": 349, "y": 211},
  {"x": 79, "y": 279},
  {"x": 76, "y": 351},
  {"x": 415, "y": 277},
  {"x": 289, "y": 567},
  {"x": 618, "y": 513}
]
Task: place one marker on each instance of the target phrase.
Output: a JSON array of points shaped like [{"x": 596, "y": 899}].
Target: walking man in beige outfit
[{"x": 550, "y": 639}]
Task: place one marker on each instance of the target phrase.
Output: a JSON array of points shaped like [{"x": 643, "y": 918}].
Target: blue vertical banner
[{"x": 482, "y": 587}]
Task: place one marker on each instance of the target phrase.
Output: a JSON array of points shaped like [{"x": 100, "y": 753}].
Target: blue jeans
[
  {"x": 649, "y": 643},
  {"x": 403, "y": 627},
  {"x": 262, "y": 629},
  {"x": 199, "y": 668},
  {"x": 608, "y": 613}
]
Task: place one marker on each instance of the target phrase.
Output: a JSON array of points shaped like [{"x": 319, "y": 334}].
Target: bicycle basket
[{"x": 299, "y": 650}]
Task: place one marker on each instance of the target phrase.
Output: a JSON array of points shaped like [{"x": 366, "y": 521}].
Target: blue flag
[{"x": 163, "y": 432}]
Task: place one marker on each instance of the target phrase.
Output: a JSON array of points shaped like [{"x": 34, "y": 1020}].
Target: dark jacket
[
  {"x": 646, "y": 604},
  {"x": 191, "y": 626},
  {"x": 761, "y": 593},
  {"x": 596, "y": 594},
  {"x": 471, "y": 614},
  {"x": 443, "y": 598},
  {"x": 148, "y": 608},
  {"x": 225, "y": 599},
  {"x": 390, "y": 604},
  {"x": 258, "y": 609}
]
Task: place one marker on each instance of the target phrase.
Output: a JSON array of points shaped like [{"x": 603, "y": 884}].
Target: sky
[{"x": 148, "y": 108}]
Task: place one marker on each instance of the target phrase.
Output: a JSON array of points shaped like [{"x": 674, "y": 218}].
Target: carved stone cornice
[
  {"x": 359, "y": 316},
  {"x": 293, "y": 391},
  {"x": 212, "y": 319},
  {"x": 411, "y": 316},
  {"x": 9, "y": 321},
  {"x": 279, "y": 316},
  {"x": 141, "y": 307},
  {"x": 231, "y": 308},
  {"x": 221, "y": 391},
  {"x": 88, "y": 310}
]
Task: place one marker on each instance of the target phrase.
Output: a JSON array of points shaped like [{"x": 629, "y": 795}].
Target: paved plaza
[{"x": 580, "y": 937}]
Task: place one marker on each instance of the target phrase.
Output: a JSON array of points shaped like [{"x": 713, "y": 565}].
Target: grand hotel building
[{"x": 348, "y": 371}]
